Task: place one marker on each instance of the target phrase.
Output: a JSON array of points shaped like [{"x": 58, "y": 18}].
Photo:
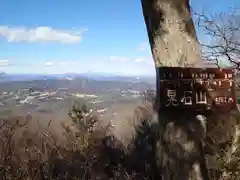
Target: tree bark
[
  {"x": 173, "y": 41},
  {"x": 171, "y": 32}
]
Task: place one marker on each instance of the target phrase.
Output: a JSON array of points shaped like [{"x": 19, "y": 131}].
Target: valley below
[{"x": 51, "y": 98}]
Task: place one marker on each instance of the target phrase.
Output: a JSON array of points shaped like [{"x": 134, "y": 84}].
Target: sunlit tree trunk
[
  {"x": 173, "y": 42},
  {"x": 171, "y": 32}
]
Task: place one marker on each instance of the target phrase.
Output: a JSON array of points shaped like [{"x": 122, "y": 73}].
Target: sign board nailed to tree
[{"x": 198, "y": 89}]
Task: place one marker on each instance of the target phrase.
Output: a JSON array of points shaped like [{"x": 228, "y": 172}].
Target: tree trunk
[
  {"x": 171, "y": 32},
  {"x": 173, "y": 42}
]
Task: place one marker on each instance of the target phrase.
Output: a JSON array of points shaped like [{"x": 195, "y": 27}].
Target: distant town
[{"x": 53, "y": 98}]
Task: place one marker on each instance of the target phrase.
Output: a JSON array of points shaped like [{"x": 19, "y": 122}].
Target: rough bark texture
[
  {"x": 179, "y": 148},
  {"x": 222, "y": 131},
  {"x": 171, "y": 32}
]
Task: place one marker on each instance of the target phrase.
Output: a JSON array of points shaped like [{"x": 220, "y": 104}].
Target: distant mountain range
[{"x": 4, "y": 77}]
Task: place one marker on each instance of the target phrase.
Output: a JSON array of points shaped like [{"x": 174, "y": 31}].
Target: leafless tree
[{"x": 222, "y": 34}]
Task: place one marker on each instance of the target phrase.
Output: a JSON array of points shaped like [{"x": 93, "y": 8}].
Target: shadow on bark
[{"x": 180, "y": 147}]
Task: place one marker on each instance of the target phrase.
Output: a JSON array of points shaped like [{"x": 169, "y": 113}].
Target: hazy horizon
[{"x": 84, "y": 73}]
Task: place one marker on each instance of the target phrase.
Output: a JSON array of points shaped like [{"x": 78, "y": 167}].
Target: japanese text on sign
[{"x": 195, "y": 87}]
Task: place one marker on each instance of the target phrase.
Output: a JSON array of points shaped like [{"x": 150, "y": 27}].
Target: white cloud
[
  {"x": 143, "y": 46},
  {"x": 139, "y": 60},
  {"x": 61, "y": 63},
  {"x": 4, "y": 63},
  {"x": 117, "y": 58},
  {"x": 40, "y": 34},
  {"x": 144, "y": 60},
  {"x": 49, "y": 63}
]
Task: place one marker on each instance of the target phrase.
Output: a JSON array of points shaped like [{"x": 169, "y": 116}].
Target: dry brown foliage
[
  {"x": 87, "y": 152},
  {"x": 81, "y": 152},
  {"x": 39, "y": 154}
]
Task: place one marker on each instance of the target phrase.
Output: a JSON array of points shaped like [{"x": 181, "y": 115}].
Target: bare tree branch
[{"x": 224, "y": 33}]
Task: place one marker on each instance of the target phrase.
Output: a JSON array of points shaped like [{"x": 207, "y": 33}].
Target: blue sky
[{"x": 60, "y": 36}]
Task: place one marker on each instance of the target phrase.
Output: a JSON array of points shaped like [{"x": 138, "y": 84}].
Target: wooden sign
[{"x": 198, "y": 89}]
